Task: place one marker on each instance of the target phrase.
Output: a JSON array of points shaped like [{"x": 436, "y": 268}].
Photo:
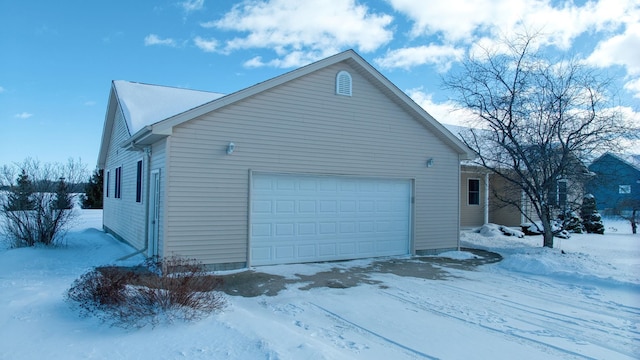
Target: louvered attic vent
[{"x": 343, "y": 83}]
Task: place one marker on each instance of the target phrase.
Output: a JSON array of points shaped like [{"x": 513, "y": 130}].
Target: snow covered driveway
[
  {"x": 535, "y": 304},
  {"x": 473, "y": 316}
]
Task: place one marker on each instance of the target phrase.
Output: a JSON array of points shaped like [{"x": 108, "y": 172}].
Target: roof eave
[
  {"x": 146, "y": 136},
  {"x": 106, "y": 130}
]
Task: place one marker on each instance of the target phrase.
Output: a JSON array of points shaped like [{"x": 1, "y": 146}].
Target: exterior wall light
[
  {"x": 429, "y": 162},
  {"x": 230, "y": 148}
]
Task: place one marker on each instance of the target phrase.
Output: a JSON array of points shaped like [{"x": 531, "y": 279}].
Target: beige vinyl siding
[
  {"x": 500, "y": 212},
  {"x": 301, "y": 127},
  {"x": 124, "y": 216},
  {"x": 471, "y": 215}
]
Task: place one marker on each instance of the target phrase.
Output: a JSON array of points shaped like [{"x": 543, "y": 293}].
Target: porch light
[
  {"x": 429, "y": 162},
  {"x": 230, "y": 148}
]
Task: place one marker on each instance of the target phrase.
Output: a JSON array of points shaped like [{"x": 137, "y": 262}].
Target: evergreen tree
[
  {"x": 63, "y": 199},
  {"x": 591, "y": 219},
  {"x": 20, "y": 197},
  {"x": 93, "y": 191}
]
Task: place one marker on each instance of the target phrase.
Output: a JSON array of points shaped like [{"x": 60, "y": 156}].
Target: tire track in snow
[
  {"x": 505, "y": 327},
  {"x": 547, "y": 291},
  {"x": 373, "y": 333},
  {"x": 605, "y": 328},
  {"x": 448, "y": 314}
]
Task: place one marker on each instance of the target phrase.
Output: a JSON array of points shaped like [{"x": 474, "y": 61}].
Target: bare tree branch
[{"x": 538, "y": 119}]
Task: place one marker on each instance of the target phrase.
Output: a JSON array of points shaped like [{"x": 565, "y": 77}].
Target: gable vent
[{"x": 343, "y": 83}]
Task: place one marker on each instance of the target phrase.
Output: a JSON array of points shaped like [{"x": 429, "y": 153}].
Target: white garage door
[{"x": 299, "y": 218}]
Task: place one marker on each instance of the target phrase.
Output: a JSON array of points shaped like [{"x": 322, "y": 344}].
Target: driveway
[{"x": 254, "y": 282}]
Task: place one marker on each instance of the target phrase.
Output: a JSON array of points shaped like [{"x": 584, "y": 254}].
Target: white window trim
[{"x": 479, "y": 192}]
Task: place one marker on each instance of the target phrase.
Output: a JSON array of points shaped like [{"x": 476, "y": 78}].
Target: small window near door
[
  {"x": 473, "y": 187},
  {"x": 139, "y": 181}
]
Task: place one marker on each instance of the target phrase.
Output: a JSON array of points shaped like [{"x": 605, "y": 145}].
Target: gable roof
[
  {"x": 152, "y": 128},
  {"x": 145, "y": 104},
  {"x": 632, "y": 160}
]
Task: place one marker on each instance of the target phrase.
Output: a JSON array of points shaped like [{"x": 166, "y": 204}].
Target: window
[
  {"x": 343, "y": 83},
  {"x": 139, "y": 181},
  {"x": 107, "y": 184},
  {"x": 558, "y": 194},
  {"x": 473, "y": 188},
  {"x": 624, "y": 189},
  {"x": 562, "y": 193},
  {"x": 117, "y": 193}
]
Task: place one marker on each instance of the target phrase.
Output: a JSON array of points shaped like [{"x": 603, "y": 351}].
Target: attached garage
[
  {"x": 330, "y": 161},
  {"x": 303, "y": 218}
]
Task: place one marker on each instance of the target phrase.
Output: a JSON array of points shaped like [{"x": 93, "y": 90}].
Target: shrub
[
  {"x": 38, "y": 207},
  {"x": 155, "y": 291}
]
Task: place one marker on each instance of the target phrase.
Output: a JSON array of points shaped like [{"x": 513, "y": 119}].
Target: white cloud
[
  {"x": 2, "y": 90},
  {"x": 192, "y": 5},
  {"x": 454, "y": 19},
  {"x": 303, "y": 31},
  {"x": 206, "y": 45},
  {"x": 633, "y": 86},
  {"x": 560, "y": 22},
  {"x": 440, "y": 55},
  {"x": 153, "y": 39},
  {"x": 23, "y": 115},
  {"x": 446, "y": 112},
  {"x": 618, "y": 50}
]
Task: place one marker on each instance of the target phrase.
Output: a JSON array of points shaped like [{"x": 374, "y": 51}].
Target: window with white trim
[
  {"x": 562, "y": 193},
  {"x": 559, "y": 194},
  {"x": 473, "y": 190},
  {"x": 343, "y": 83}
]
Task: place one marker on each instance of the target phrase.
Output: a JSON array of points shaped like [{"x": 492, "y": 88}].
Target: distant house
[
  {"x": 330, "y": 161},
  {"x": 488, "y": 198},
  {"x": 616, "y": 183}
]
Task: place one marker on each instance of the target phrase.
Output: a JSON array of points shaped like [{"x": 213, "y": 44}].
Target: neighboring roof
[
  {"x": 632, "y": 160},
  {"x": 144, "y": 104},
  {"x": 148, "y": 124}
]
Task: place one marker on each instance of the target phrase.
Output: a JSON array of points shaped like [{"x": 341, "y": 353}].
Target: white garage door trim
[{"x": 297, "y": 218}]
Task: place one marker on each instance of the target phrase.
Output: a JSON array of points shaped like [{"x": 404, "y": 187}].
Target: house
[
  {"x": 485, "y": 197},
  {"x": 480, "y": 199},
  {"x": 330, "y": 161},
  {"x": 616, "y": 184}
]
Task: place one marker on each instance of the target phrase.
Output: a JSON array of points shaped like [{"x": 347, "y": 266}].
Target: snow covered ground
[{"x": 535, "y": 304}]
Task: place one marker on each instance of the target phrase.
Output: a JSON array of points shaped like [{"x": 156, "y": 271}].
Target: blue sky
[{"x": 57, "y": 58}]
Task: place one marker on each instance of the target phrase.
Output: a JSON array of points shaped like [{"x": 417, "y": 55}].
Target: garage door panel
[{"x": 298, "y": 218}]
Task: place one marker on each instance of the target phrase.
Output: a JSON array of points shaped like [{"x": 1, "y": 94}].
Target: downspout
[
  {"x": 486, "y": 198},
  {"x": 459, "y": 181},
  {"x": 147, "y": 152}
]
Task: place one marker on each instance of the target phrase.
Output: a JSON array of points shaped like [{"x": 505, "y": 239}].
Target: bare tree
[
  {"x": 38, "y": 206},
  {"x": 536, "y": 119},
  {"x": 629, "y": 209}
]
